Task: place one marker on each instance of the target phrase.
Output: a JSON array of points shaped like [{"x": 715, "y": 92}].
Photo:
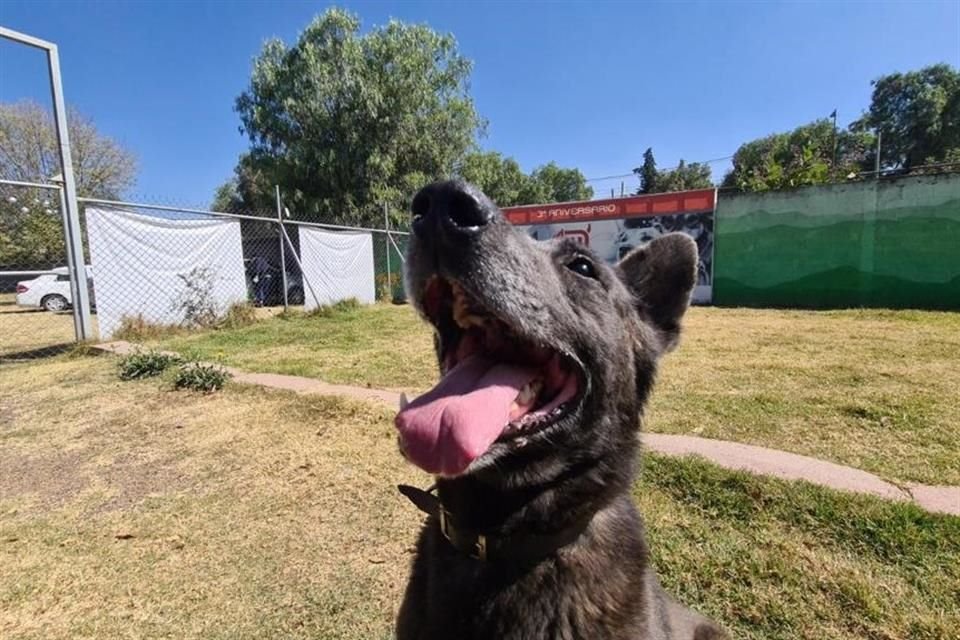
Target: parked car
[{"x": 51, "y": 291}]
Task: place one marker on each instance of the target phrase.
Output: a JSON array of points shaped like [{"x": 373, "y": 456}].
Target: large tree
[
  {"x": 504, "y": 181},
  {"x": 917, "y": 114},
  {"x": 31, "y": 231},
  {"x": 553, "y": 183},
  {"x": 802, "y": 157},
  {"x": 501, "y": 178},
  {"x": 684, "y": 177},
  {"x": 29, "y": 151},
  {"x": 345, "y": 121}
]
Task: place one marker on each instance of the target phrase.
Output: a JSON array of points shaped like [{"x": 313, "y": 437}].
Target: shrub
[
  {"x": 196, "y": 301},
  {"x": 145, "y": 364},
  {"x": 200, "y": 376}
]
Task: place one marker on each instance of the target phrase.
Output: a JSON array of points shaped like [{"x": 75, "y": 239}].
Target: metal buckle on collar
[{"x": 479, "y": 550}]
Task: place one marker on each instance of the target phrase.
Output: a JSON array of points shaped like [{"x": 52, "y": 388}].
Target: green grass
[
  {"x": 130, "y": 511},
  {"x": 873, "y": 389},
  {"x": 379, "y": 346}
]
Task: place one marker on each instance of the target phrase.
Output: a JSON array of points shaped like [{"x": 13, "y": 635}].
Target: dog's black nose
[{"x": 451, "y": 206}]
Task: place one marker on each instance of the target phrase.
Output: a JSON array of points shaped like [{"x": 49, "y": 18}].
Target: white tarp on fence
[
  {"x": 336, "y": 266},
  {"x": 162, "y": 269}
]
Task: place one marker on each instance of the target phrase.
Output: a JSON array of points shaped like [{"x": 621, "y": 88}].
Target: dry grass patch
[
  {"x": 23, "y": 331},
  {"x": 255, "y": 514},
  {"x": 872, "y": 389}
]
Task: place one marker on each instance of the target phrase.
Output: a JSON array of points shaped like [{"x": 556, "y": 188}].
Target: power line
[{"x": 632, "y": 174}]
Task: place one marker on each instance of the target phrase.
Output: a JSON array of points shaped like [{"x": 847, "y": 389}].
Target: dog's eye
[{"x": 582, "y": 266}]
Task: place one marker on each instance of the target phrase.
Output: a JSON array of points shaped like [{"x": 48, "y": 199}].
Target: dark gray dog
[{"x": 548, "y": 356}]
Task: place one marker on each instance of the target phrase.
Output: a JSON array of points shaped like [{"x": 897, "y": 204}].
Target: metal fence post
[
  {"x": 76, "y": 265},
  {"x": 386, "y": 244},
  {"x": 283, "y": 259},
  {"x": 75, "y": 259}
]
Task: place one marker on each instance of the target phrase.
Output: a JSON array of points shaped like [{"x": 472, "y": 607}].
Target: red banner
[{"x": 661, "y": 204}]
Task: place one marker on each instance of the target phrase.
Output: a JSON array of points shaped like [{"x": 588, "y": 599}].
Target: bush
[
  {"x": 196, "y": 302},
  {"x": 199, "y": 376},
  {"x": 145, "y": 364}
]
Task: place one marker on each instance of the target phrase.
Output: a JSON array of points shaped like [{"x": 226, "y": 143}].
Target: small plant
[
  {"x": 145, "y": 364},
  {"x": 200, "y": 376},
  {"x": 330, "y": 310},
  {"x": 196, "y": 301}
]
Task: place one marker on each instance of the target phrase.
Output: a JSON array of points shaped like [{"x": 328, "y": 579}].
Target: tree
[
  {"x": 29, "y": 151},
  {"x": 552, "y": 183},
  {"x": 683, "y": 177},
  {"x": 31, "y": 229},
  {"x": 918, "y": 115},
  {"x": 647, "y": 173},
  {"x": 346, "y": 122},
  {"x": 499, "y": 177},
  {"x": 799, "y": 158}
]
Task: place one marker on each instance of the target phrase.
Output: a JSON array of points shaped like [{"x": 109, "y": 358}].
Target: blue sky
[{"x": 588, "y": 84}]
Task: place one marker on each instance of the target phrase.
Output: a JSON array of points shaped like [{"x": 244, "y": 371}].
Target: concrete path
[{"x": 730, "y": 455}]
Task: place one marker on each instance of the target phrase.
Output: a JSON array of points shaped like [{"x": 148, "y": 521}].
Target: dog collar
[{"x": 487, "y": 547}]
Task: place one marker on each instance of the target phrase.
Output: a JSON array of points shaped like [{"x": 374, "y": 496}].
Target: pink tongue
[{"x": 454, "y": 423}]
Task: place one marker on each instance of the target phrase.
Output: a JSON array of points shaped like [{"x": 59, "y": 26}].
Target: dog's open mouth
[{"x": 497, "y": 386}]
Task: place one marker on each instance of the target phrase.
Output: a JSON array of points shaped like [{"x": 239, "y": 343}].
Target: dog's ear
[{"x": 661, "y": 275}]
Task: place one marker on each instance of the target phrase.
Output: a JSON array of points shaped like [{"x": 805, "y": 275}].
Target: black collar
[{"x": 488, "y": 547}]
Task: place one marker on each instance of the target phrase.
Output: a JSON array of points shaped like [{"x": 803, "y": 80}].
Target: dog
[{"x": 547, "y": 357}]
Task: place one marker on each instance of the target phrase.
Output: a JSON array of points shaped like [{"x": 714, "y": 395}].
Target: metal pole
[
  {"x": 75, "y": 260},
  {"x": 296, "y": 259},
  {"x": 876, "y": 165},
  {"x": 283, "y": 258},
  {"x": 221, "y": 214},
  {"x": 834, "y": 165},
  {"x": 386, "y": 230}
]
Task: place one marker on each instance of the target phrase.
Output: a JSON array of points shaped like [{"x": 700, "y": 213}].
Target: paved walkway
[{"x": 730, "y": 455}]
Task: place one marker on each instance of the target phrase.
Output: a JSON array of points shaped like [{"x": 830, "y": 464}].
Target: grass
[
  {"x": 873, "y": 389},
  {"x": 127, "y": 511},
  {"x": 24, "y": 332},
  {"x": 379, "y": 346}
]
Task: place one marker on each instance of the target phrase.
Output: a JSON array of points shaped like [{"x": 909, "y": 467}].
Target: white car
[{"x": 50, "y": 291}]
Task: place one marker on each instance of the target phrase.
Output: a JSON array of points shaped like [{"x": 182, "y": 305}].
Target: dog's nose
[{"x": 451, "y": 207}]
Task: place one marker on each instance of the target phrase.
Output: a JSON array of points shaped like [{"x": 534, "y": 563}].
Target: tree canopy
[
  {"x": 507, "y": 185},
  {"x": 799, "y": 158},
  {"x": 918, "y": 116},
  {"x": 683, "y": 177},
  {"x": 31, "y": 229},
  {"x": 345, "y": 121}
]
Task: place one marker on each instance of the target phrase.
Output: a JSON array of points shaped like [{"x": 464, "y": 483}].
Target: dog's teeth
[
  {"x": 529, "y": 392},
  {"x": 403, "y": 401},
  {"x": 520, "y": 442}
]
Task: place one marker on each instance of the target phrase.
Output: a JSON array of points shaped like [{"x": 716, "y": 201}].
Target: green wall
[{"x": 892, "y": 243}]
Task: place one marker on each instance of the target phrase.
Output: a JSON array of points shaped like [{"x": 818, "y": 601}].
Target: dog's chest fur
[{"x": 600, "y": 588}]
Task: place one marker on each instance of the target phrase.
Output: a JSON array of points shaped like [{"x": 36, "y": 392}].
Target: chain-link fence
[
  {"x": 157, "y": 268},
  {"x": 35, "y": 291}
]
